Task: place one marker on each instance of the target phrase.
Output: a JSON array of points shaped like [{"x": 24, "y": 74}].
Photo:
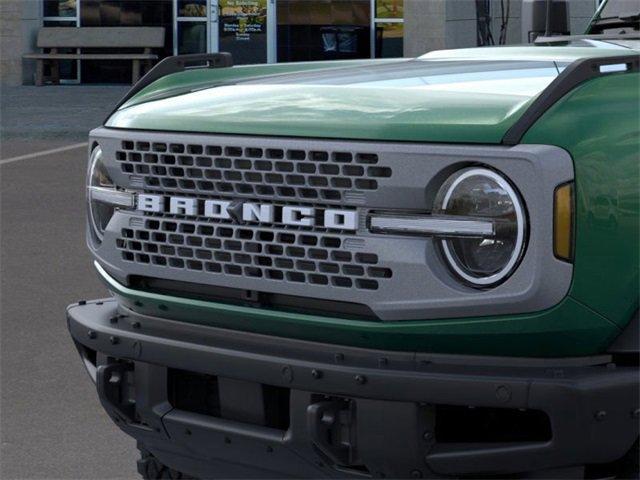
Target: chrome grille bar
[{"x": 432, "y": 225}]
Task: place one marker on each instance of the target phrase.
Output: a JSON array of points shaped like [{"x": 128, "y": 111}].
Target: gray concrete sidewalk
[{"x": 37, "y": 118}]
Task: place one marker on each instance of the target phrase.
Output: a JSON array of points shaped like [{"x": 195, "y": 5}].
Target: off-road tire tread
[
  {"x": 630, "y": 464},
  {"x": 151, "y": 469}
]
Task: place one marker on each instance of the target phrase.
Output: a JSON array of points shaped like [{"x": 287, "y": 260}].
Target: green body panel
[
  {"x": 569, "y": 329},
  {"x": 599, "y": 124},
  {"x": 202, "y": 77},
  {"x": 262, "y": 100},
  {"x": 327, "y": 112}
]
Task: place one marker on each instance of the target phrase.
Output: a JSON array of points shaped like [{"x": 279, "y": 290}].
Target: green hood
[{"x": 469, "y": 96}]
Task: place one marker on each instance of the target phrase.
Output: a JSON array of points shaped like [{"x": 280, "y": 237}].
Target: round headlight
[
  {"x": 475, "y": 192},
  {"x": 100, "y": 212}
]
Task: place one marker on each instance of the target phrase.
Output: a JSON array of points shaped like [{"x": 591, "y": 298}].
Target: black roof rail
[
  {"x": 573, "y": 75},
  {"x": 176, "y": 64}
]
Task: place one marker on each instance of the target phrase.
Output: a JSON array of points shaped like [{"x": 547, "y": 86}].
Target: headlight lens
[
  {"x": 100, "y": 211},
  {"x": 482, "y": 193}
]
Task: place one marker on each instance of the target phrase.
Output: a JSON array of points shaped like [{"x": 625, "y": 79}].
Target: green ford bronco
[{"x": 410, "y": 268}]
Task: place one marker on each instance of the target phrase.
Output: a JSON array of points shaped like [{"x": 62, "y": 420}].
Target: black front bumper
[{"x": 349, "y": 411}]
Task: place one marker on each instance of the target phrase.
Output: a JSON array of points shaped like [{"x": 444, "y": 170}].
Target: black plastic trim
[
  {"x": 628, "y": 342},
  {"x": 618, "y": 22},
  {"x": 177, "y": 64},
  {"x": 572, "y": 76},
  {"x": 590, "y": 403}
]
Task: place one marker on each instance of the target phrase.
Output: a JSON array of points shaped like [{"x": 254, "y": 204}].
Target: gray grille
[
  {"x": 300, "y": 257},
  {"x": 252, "y": 171},
  {"x": 397, "y": 277}
]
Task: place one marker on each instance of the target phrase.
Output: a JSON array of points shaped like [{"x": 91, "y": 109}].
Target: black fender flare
[{"x": 629, "y": 340}]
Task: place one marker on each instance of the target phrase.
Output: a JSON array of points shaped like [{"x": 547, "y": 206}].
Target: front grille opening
[
  {"x": 461, "y": 424},
  {"x": 310, "y": 258},
  {"x": 91, "y": 356},
  {"x": 252, "y": 170},
  {"x": 194, "y": 392},
  {"x": 248, "y": 298},
  {"x": 276, "y": 406},
  {"x": 200, "y": 393}
]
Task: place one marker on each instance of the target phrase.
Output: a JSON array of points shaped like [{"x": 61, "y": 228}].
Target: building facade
[{"x": 261, "y": 31}]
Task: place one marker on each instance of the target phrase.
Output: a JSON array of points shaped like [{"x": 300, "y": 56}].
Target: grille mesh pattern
[
  {"x": 287, "y": 256},
  {"x": 257, "y": 172}
]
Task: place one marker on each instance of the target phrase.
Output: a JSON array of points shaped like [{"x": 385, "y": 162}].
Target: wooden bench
[{"x": 56, "y": 38}]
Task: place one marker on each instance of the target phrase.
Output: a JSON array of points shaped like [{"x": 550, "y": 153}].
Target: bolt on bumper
[{"x": 373, "y": 409}]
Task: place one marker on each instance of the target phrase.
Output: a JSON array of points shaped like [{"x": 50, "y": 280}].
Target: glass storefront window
[
  {"x": 68, "y": 68},
  {"x": 254, "y": 31},
  {"x": 323, "y": 30},
  {"x": 389, "y": 8},
  {"x": 340, "y": 40},
  {"x": 192, "y": 8},
  {"x": 126, "y": 13},
  {"x": 59, "y": 8},
  {"x": 243, "y": 30},
  {"x": 192, "y": 37},
  {"x": 389, "y": 40},
  {"x": 122, "y": 13},
  {"x": 389, "y": 29}
]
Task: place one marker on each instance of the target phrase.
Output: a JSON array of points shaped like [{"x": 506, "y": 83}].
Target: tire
[
  {"x": 630, "y": 464},
  {"x": 151, "y": 469}
]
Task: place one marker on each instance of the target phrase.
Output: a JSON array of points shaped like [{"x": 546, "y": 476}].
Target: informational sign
[
  {"x": 243, "y": 18},
  {"x": 243, "y": 30}
]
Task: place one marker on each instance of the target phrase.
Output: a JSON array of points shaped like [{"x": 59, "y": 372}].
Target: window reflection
[
  {"x": 59, "y": 8},
  {"x": 389, "y": 8},
  {"x": 192, "y": 8},
  {"x": 323, "y": 30},
  {"x": 340, "y": 40},
  {"x": 192, "y": 37},
  {"x": 243, "y": 30},
  {"x": 123, "y": 13},
  {"x": 68, "y": 68},
  {"x": 478, "y": 77},
  {"x": 389, "y": 40}
]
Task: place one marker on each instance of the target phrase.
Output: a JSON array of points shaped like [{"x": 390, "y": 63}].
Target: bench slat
[
  {"x": 101, "y": 37},
  {"x": 91, "y": 56}
]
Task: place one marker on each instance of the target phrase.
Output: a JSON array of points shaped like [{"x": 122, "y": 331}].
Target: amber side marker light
[{"x": 563, "y": 219}]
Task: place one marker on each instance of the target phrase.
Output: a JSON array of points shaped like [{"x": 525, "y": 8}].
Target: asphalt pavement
[{"x": 51, "y": 423}]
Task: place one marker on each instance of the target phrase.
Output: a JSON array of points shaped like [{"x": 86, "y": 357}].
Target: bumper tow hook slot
[{"x": 326, "y": 422}]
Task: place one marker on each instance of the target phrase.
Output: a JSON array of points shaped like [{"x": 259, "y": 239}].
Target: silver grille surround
[{"x": 407, "y": 281}]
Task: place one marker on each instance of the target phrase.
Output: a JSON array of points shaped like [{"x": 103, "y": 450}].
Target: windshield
[
  {"x": 617, "y": 8},
  {"x": 617, "y": 17}
]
